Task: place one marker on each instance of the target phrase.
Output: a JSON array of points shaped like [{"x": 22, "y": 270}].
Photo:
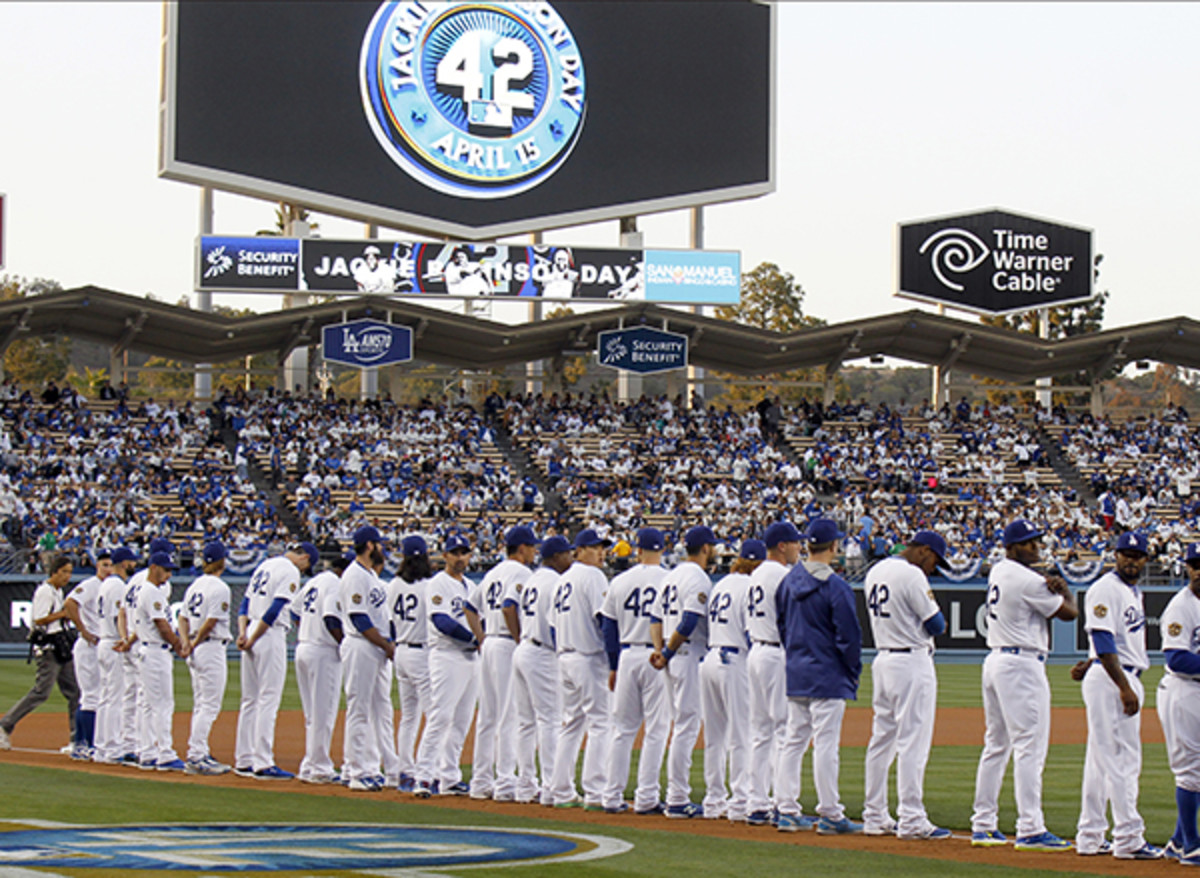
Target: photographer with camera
[{"x": 51, "y": 642}]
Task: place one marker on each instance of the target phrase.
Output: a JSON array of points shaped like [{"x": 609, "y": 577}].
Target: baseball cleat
[
  {"x": 457, "y": 789},
  {"x": 876, "y": 829},
  {"x": 573, "y": 802},
  {"x": 503, "y": 797},
  {"x": 988, "y": 838},
  {"x": 623, "y": 808},
  {"x": 206, "y": 766},
  {"x": 407, "y": 783},
  {"x": 1172, "y": 850},
  {"x": 242, "y": 771},
  {"x": 592, "y": 806},
  {"x": 1046, "y": 841},
  {"x": 80, "y": 753},
  {"x": 5, "y": 740},
  {"x": 1145, "y": 852},
  {"x": 1190, "y": 858},
  {"x": 480, "y": 793},
  {"x": 173, "y": 765},
  {"x": 148, "y": 765},
  {"x": 758, "y": 818},
  {"x": 319, "y": 779},
  {"x": 652, "y": 811},
  {"x": 795, "y": 822},
  {"x": 845, "y": 826},
  {"x": 424, "y": 790},
  {"x": 930, "y": 833},
  {"x": 363, "y": 785},
  {"x": 1105, "y": 848},
  {"x": 274, "y": 772},
  {"x": 128, "y": 759},
  {"x": 686, "y": 811}
]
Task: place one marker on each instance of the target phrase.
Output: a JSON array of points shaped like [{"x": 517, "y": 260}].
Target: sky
[{"x": 1076, "y": 112}]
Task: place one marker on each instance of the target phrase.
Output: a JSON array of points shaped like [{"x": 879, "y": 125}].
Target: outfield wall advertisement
[{"x": 466, "y": 271}]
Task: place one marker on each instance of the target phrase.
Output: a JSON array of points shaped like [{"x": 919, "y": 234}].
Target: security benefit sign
[
  {"x": 366, "y": 344},
  {"x": 263, "y": 263},
  {"x": 642, "y": 350},
  {"x": 994, "y": 262}
]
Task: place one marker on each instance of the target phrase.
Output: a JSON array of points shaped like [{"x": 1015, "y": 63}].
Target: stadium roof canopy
[{"x": 134, "y": 323}]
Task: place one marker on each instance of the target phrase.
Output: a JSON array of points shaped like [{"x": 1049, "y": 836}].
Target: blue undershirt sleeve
[
  {"x": 688, "y": 624},
  {"x": 274, "y": 610},
  {"x": 612, "y": 645},
  {"x": 935, "y": 624},
  {"x": 362, "y": 622},
  {"x": 1181, "y": 661},
  {"x": 244, "y": 609},
  {"x": 509, "y": 602},
  {"x": 1104, "y": 642},
  {"x": 450, "y": 628},
  {"x": 333, "y": 625}
]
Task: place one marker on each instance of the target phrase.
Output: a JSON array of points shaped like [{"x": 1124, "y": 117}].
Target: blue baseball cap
[
  {"x": 367, "y": 534},
  {"x": 306, "y": 548},
  {"x": 1020, "y": 531},
  {"x": 163, "y": 559},
  {"x": 413, "y": 545},
  {"x": 650, "y": 539},
  {"x": 754, "y": 550},
  {"x": 123, "y": 554},
  {"x": 456, "y": 543},
  {"x": 932, "y": 540},
  {"x": 1192, "y": 553},
  {"x": 214, "y": 551},
  {"x": 781, "y": 532},
  {"x": 699, "y": 536},
  {"x": 589, "y": 537},
  {"x": 1131, "y": 541},
  {"x": 521, "y": 535},
  {"x": 555, "y": 545},
  {"x": 823, "y": 530},
  {"x": 161, "y": 544}
]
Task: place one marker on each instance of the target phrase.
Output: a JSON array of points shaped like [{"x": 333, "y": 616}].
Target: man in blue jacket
[{"x": 819, "y": 630}]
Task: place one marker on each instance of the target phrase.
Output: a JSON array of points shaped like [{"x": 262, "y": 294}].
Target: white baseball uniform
[
  {"x": 684, "y": 590},
  {"x": 1114, "y": 751},
  {"x": 154, "y": 602},
  {"x": 407, "y": 603},
  {"x": 1016, "y": 696},
  {"x": 363, "y": 663},
  {"x": 264, "y": 668},
  {"x": 640, "y": 694},
  {"x": 494, "y": 772},
  {"x": 86, "y": 655},
  {"x": 904, "y": 700},
  {"x": 767, "y": 671},
  {"x": 535, "y": 690},
  {"x": 1179, "y": 694},
  {"x": 724, "y": 700},
  {"x": 583, "y": 670},
  {"x": 318, "y": 672},
  {"x": 206, "y": 598},
  {"x": 133, "y": 699},
  {"x": 109, "y": 740},
  {"x": 452, "y": 681}
]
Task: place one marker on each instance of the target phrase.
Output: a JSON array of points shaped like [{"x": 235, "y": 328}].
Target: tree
[
  {"x": 771, "y": 299},
  {"x": 285, "y": 215},
  {"x": 571, "y": 368},
  {"x": 34, "y": 361}
]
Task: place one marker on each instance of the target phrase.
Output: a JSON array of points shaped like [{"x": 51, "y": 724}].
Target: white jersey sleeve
[
  {"x": 446, "y": 596},
  {"x": 1019, "y": 603},
  {"x": 85, "y": 595},
  {"x": 363, "y": 593},
  {"x": 686, "y": 590},
  {"x": 112, "y": 593},
  {"x": 1180, "y": 623},
  {"x": 1111, "y": 605},
  {"x": 275, "y": 578},
  {"x": 899, "y": 601}
]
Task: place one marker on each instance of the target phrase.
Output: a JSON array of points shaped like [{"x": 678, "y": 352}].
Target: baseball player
[
  {"x": 204, "y": 627},
  {"x": 262, "y": 633},
  {"x": 639, "y": 690},
  {"x": 406, "y": 598},
  {"x": 682, "y": 623},
  {"x": 452, "y": 678},
  {"x": 724, "y": 689},
  {"x": 535, "y": 676},
  {"x": 52, "y": 665},
  {"x": 366, "y": 649},
  {"x": 822, "y": 640},
  {"x": 904, "y": 620},
  {"x": 497, "y": 595},
  {"x": 154, "y": 632},
  {"x": 319, "y": 668},
  {"x": 81, "y": 607},
  {"x": 109, "y": 739},
  {"x": 1179, "y": 708},
  {"x": 1115, "y": 619},
  {"x": 575, "y": 629},
  {"x": 383, "y": 710},
  {"x": 766, "y": 672},
  {"x": 1016, "y": 693}
]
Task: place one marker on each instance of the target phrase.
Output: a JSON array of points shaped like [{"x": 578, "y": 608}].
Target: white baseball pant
[
  {"x": 452, "y": 687},
  {"x": 319, "y": 679},
  {"x": 683, "y": 674},
  {"x": 109, "y": 741},
  {"x": 818, "y": 720},
  {"x": 724, "y": 702},
  {"x": 494, "y": 770},
  {"x": 210, "y": 673},
  {"x": 362, "y": 663},
  {"x": 131, "y": 698},
  {"x": 263, "y": 671},
  {"x": 412, "y": 683},
  {"x": 1112, "y": 766},
  {"x": 639, "y": 696},
  {"x": 536, "y": 695},
  {"x": 87, "y": 674},
  {"x": 383, "y": 717},
  {"x": 1179, "y": 713},
  {"x": 767, "y": 671},
  {"x": 159, "y": 686},
  {"x": 585, "y": 707}
]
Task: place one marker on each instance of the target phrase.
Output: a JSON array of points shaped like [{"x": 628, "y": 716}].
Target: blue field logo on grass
[{"x": 215, "y": 848}]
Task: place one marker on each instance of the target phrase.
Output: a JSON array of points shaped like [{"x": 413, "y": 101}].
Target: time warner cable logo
[
  {"x": 473, "y": 99},
  {"x": 954, "y": 251}
]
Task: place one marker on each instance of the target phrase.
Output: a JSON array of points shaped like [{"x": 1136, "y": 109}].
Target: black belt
[
  {"x": 1016, "y": 650},
  {"x": 895, "y": 649},
  {"x": 538, "y": 643},
  {"x": 502, "y": 636},
  {"x": 767, "y": 642},
  {"x": 646, "y": 645},
  {"x": 1130, "y": 669},
  {"x": 726, "y": 650},
  {"x": 414, "y": 645}
]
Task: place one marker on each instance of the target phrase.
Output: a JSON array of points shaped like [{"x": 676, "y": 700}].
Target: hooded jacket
[{"x": 818, "y": 626}]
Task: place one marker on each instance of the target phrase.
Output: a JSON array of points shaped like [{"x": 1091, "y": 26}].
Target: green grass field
[{"x": 77, "y": 797}]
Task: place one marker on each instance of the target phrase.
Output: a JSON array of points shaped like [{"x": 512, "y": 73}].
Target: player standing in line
[
  {"x": 366, "y": 649},
  {"x": 158, "y": 639},
  {"x": 496, "y": 595},
  {"x": 134, "y": 707},
  {"x": 319, "y": 668},
  {"x": 639, "y": 689},
  {"x": 1115, "y": 619},
  {"x": 406, "y": 598},
  {"x": 1179, "y": 708},
  {"x": 262, "y": 638},
  {"x": 768, "y": 674},
  {"x": 383, "y": 711},
  {"x": 575, "y": 628},
  {"x": 1016, "y": 693},
  {"x": 683, "y": 611},
  {"x": 452, "y": 679},
  {"x": 81, "y": 607},
  {"x": 535, "y": 693},
  {"x": 821, "y": 636},
  {"x": 109, "y": 742},
  {"x": 724, "y": 689},
  {"x": 904, "y": 620},
  {"x": 204, "y": 627}
]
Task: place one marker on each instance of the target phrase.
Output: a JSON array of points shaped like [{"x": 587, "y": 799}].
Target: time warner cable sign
[
  {"x": 994, "y": 262},
  {"x": 366, "y": 344},
  {"x": 643, "y": 350}
]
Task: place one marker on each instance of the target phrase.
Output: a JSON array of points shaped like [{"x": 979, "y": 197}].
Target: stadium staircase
[
  {"x": 265, "y": 485},
  {"x": 1068, "y": 473},
  {"x": 522, "y": 464}
]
